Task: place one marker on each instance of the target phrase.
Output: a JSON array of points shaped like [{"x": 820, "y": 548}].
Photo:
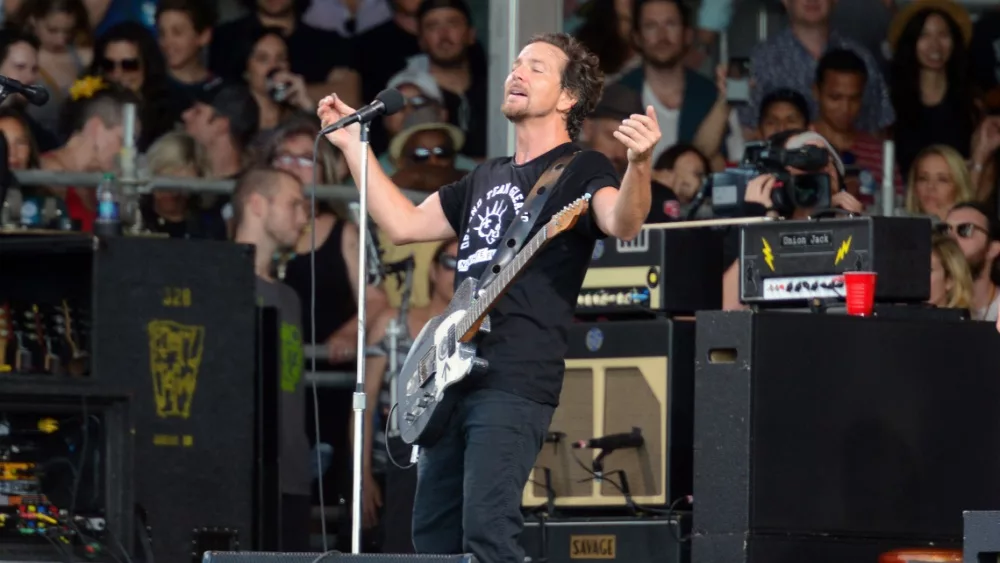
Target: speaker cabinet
[
  {"x": 830, "y": 438},
  {"x": 620, "y": 375}
]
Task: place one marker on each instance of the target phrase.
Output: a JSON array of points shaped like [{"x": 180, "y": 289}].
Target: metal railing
[{"x": 143, "y": 185}]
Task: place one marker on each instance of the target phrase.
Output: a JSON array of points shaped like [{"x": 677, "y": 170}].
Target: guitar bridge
[{"x": 425, "y": 368}]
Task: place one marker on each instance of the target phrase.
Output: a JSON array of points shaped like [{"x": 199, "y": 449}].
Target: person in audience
[
  {"x": 93, "y": 120},
  {"x": 347, "y": 18},
  {"x": 62, "y": 30},
  {"x": 382, "y": 51},
  {"x": 127, "y": 54},
  {"x": 105, "y": 14},
  {"x": 270, "y": 213},
  {"x": 174, "y": 212},
  {"x": 19, "y": 60},
  {"x": 324, "y": 59},
  {"x": 682, "y": 98},
  {"x": 448, "y": 41},
  {"x": 420, "y": 91},
  {"x": 977, "y": 231},
  {"x": 951, "y": 280},
  {"x": 185, "y": 30},
  {"x": 782, "y": 110},
  {"x": 278, "y": 92},
  {"x": 290, "y": 148},
  {"x": 424, "y": 152},
  {"x": 937, "y": 181},
  {"x": 841, "y": 76},
  {"x": 223, "y": 121},
  {"x": 719, "y": 122},
  {"x": 22, "y": 152},
  {"x": 758, "y": 201},
  {"x": 617, "y": 103},
  {"x": 395, "y": 507},
  {"x": 931, "y": 89},
  {"x": 611, "y": 43},
  {"x": 984, "y": 54},
  {"x": 788, "y": 59},
  {"x": 678, "y": 176}
]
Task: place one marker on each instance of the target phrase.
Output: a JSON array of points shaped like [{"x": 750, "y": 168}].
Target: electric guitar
[{"x": 444, "y": 352}]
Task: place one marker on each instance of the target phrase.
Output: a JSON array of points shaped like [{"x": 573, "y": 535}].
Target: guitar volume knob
[{"x": 480, "y": 365}]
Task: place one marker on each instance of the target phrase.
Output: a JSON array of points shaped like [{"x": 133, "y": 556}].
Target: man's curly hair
[{"x": 582, "y": 76}]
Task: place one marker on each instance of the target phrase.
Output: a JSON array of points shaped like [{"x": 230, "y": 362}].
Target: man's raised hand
[{"x": 331, "y": 109}]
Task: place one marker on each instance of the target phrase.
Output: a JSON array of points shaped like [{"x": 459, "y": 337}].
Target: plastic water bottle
[{"x": 108, "y": 222}]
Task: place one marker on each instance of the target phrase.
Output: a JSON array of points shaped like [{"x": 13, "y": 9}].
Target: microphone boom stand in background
[{"x": 359, "y": 391}]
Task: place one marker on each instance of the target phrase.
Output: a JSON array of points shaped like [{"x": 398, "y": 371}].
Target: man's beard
[
  {"x": 662, "y": 63},
  {"x": 453, "y": 62},
  {"x": 514, "y": 115}
]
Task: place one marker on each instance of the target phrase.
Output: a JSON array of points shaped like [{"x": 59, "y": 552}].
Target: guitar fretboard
[{"x": 484, "y": 302}]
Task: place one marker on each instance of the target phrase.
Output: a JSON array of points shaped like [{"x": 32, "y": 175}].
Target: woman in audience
[
  {"x": 289, "y": 147},
  {"x": 22, "y": 153},
  {"x": 278, "y": 92},
  {"x": 63, "y": 31},
  {"x": 930, "y": 84},
  {"x": 938, "y": 180},
  {"x": 173, "y": 212},
  {"x": 128, "y": 55},
  {"x": 951, "y": 280},
  {"x": 611, "y": 43}
]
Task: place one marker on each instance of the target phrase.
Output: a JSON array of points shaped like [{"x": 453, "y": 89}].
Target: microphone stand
[{"x": 359, "y": 391}]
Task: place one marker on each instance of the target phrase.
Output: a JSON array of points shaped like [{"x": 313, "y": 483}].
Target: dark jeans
[{"x": 470, "y": 483}]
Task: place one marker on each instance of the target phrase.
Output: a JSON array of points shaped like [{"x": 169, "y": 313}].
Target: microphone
[
  {"x": 387, "y": 102},
  {"x": 34, "y": 94},
  {"x": 611, "y": 442}
]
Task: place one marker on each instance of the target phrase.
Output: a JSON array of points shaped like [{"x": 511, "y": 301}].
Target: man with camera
[{"x": 796, "y": 173}]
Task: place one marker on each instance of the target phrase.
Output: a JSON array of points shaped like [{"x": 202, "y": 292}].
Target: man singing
[{"x": 470, "y": 481}]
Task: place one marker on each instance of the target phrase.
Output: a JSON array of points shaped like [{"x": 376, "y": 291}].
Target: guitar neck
[{"x": 492, "y": 292}]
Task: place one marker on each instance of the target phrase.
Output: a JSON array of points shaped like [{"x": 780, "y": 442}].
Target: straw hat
[{"x": 951, "y": 8}]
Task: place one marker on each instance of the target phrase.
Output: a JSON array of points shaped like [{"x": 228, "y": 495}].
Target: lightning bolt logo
[
  {"x": 842, "y": 251},
  {"x": 768, "y": 255}
]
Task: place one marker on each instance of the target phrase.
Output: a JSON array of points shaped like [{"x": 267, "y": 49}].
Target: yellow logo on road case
[{"x": 175, "y": 352}]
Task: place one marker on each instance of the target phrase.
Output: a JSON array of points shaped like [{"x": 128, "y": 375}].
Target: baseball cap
[
  {"x": 235, "y": 102},
  {"x": 422, "y": 80},
  {"x": 618, "y": 102}
]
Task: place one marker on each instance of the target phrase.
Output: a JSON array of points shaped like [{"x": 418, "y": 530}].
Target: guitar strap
[{"x": 522, "y": 224}]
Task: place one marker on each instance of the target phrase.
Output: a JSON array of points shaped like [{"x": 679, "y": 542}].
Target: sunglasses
[
  {"x": 422, "y": 154},
  {"x": 418, "y": 101},
  {"x": 447, "y": 261},
  {"x": 964, "y": 230},
  {"x": 290, "y": 160},
  {"x": 127, "y": 65}
]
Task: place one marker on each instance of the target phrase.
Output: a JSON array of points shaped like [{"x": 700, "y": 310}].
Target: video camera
[{"x": 810, "y": 190}]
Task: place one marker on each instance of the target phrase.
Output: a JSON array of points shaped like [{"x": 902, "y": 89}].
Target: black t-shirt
[
  {"x": 984, "y": 51},
  {"x": 527, "y": 342},
  {"x": 312, "y": 52},
  {"x": 664, "y": 206}
]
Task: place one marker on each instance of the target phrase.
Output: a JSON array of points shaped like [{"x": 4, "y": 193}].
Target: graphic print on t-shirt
[{"x": 488, "y": 220}]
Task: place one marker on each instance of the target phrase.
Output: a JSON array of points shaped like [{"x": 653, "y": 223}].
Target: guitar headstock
[{"x": 567, "y": 216}]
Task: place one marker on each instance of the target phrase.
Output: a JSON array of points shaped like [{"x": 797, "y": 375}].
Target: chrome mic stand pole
[{"x": 359, "y": 391}]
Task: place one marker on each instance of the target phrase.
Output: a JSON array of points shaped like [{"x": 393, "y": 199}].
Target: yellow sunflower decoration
[{"x": 86, "y": 87}]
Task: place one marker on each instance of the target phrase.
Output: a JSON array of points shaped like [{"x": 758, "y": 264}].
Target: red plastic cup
[{"x": 860, "y": 293}]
